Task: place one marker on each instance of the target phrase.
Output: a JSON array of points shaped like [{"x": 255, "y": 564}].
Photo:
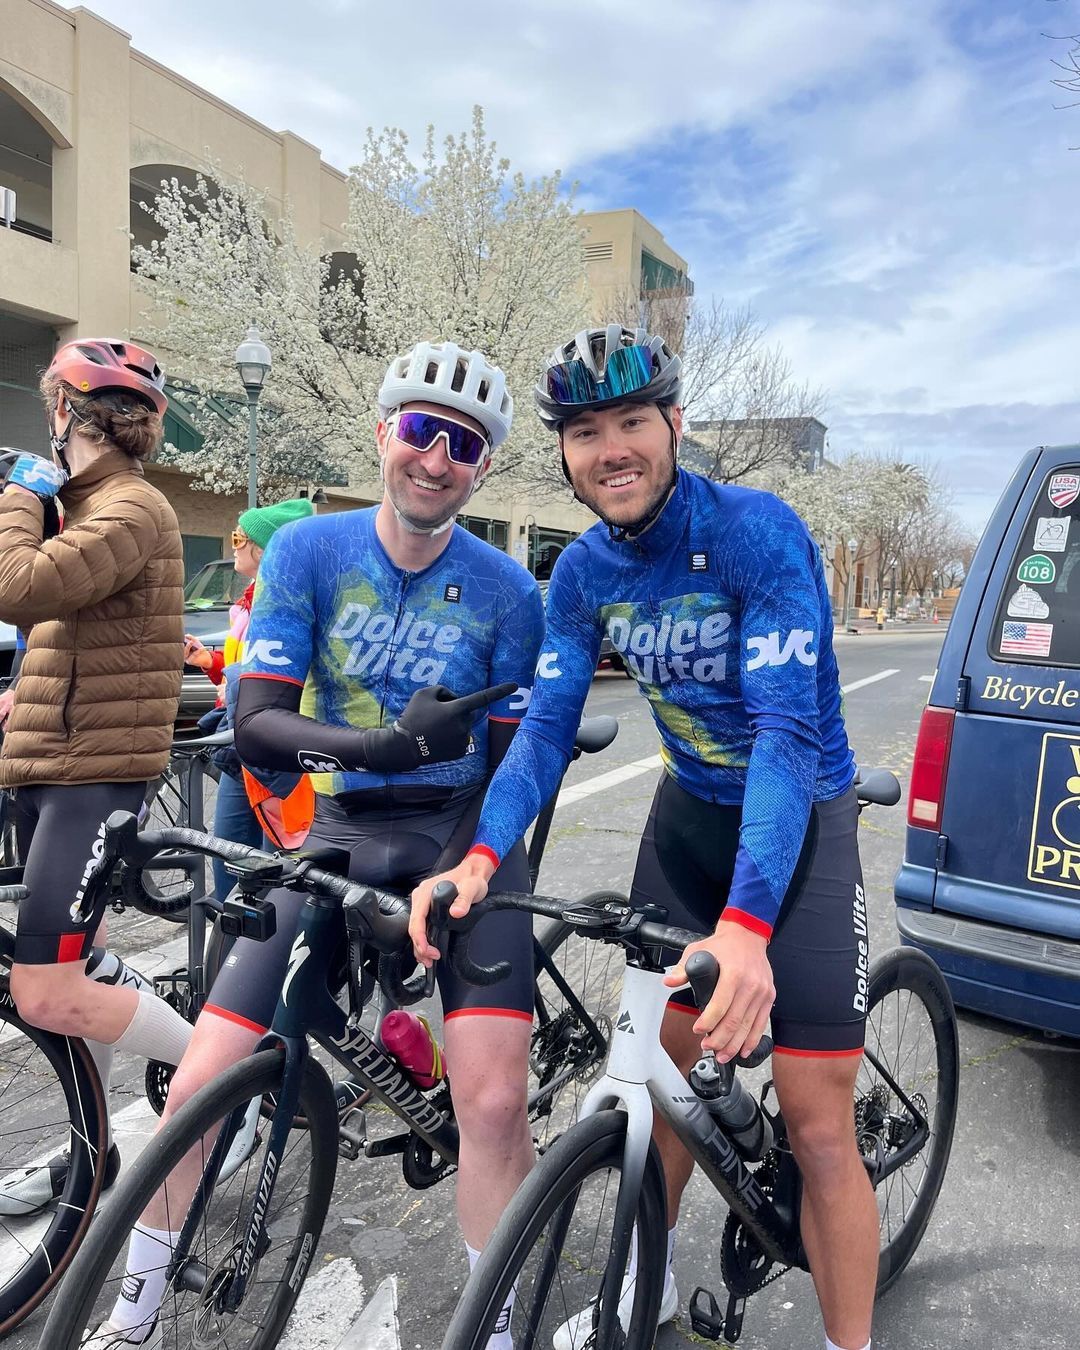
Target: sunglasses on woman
[
  {"x": 239, "y": 539},
  {"x": 420, "y": 431}
]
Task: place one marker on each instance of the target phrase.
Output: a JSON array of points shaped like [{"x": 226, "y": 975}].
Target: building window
[
  {"x": 494, "y": 532},
  {"x": 661, "y": 276}
]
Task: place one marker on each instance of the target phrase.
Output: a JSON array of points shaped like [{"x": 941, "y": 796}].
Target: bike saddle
[
  {"x": 202, "y": 742},
  {"x": 878, "y": 786},
  {"x": 595, "y": 733}
]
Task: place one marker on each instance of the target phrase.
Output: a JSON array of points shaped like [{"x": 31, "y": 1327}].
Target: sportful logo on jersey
[
  {"x": 452, "y": 594},
  {"x": 266, "y": 650},
  {"x": 768, "y": 651},
  {"x": 699, "y": 561},
  {"x": 405, "y": 647}
]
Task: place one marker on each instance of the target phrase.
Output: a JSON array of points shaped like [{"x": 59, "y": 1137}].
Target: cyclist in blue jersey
[
  {"x": 715, "y": 597},
  {"x": 363, "y": 622}
]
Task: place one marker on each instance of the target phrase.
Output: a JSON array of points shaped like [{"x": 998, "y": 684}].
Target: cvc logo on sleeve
[
  {"x": 769, "y": 651},
  {"x": 266, "y": 651}
]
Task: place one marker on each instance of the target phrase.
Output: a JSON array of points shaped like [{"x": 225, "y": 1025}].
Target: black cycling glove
[{"x": 271, "y": 733}]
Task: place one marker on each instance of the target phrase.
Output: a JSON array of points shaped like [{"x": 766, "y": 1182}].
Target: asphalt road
[{"x": 1000, "y": 1264}]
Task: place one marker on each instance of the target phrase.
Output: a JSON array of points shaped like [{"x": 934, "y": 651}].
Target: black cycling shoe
[{"x": 32, "y": 1189}]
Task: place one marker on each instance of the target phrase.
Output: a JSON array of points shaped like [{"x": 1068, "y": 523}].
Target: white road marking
[
  {"x": 869, "y": 679},
  {"x": 602, "y": 781},
  {"x": 377, "y": 1326},
  {"x": 570, "y": 795},
  {"x": 927, "y": 679}
]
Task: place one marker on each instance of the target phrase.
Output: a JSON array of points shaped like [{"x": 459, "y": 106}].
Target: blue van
[{"x": 990, "y": 883}]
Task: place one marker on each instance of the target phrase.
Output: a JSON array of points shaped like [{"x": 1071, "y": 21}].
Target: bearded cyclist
[
  {"x": 715, "y": 597},
  {"x": 93, "y": 712},
  {"x": 360, "y": 620}
]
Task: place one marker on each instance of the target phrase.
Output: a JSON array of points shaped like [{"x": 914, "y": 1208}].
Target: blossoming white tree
[{"x": 455, "y": 248}]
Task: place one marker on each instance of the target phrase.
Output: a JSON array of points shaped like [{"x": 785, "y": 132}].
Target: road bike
[
  {"x": 246, "y": 1240},
  {"x": 52, "y": 1082},
  {"x": 563, "y": 1244}
]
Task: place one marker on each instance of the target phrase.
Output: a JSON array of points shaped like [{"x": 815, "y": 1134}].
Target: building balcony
[{"x": 38, "y": 278}]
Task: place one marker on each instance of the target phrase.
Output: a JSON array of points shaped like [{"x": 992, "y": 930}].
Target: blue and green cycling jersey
[
  {"x": 721, "y": 613},
  {"x": 334, "y": 614}
]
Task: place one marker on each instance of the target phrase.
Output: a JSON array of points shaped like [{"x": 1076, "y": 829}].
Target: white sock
[
  {"x": 830, "y": 1345},
  {"x": 672, "y": 1232},
  {"x": 631, "y": 1265},
  {"x": 102, "y": 1055},
  {"x": 143, "y": 1287},
  {"x": 107, "y": 968},
  {"x": 156, "y": 1031},
  {"x": 501, "y": 1339}
]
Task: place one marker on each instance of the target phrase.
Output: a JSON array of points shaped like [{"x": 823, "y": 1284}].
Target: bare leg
[
  {"x": 678, "y": 1039},
  {"x": 839, "y": 1213},
  {"x": 488, "y": 1061},
  {"x": 62, "y": 999}
]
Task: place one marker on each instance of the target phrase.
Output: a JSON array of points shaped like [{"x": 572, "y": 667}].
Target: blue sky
[{"x": 889, "y": 186}]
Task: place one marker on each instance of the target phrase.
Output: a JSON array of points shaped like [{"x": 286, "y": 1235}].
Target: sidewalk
[{"x": 866, "y": 627}]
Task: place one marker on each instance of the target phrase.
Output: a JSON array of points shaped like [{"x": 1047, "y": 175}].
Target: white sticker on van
[
  {"x": 1064, "y": 489},
  {"x": 1028, "y": 604},
  {"x": 1052, "y": 533}
]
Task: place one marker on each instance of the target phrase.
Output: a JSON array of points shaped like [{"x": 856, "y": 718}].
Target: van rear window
[{"x": 1038, "y": 615}]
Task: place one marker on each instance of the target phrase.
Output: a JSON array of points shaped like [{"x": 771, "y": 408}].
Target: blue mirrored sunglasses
[
  {"x": 421, "y": 430},
  {"x": 572, "y": 384}
]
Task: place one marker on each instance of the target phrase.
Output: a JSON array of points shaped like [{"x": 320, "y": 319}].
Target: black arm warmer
[
  {"x": 272, "y": 733},
  {"x": 500, "y": 734}
]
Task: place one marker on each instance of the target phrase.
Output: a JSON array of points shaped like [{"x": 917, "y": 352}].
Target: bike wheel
[
  {"x": 574, "y": 975},
  {"x": 552, "y": 1242},
  {"x": 50, "y": 1101},
  {"x": 166, "y": 890},
  {"x": 192, "y": 1311},
  {"x": 911, "y": 1034}
]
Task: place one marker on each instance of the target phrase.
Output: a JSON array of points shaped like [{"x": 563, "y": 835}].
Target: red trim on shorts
[
  {"x": 512, "y": 720},
  {"x": 815, "y": 1054},
  {"x": 234, "y": 1017},
  {"x": 751, "y": 921},
  {"x": 70, "y": 947},
  {"x": 482, "y": 851},
  {"x": 258, "y": 675},
  {"x": 489, "y": 1012},
  {"x": 684, "y": 1007}
]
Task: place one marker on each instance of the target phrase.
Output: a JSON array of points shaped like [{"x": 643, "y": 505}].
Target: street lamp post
[
  {"x": 852, "y": 545},
  {"x": 253, "y": 362},
  {"x": 892, "y": 591}
]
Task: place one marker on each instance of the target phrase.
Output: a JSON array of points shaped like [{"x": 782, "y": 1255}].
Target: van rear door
[{"x": 1010, "y": 847}]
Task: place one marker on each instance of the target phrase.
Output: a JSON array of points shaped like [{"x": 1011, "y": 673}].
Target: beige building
[{"x": 88, "y": 129}]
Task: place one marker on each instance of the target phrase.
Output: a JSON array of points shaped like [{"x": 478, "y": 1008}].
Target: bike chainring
[
  {"x": 421, "y": 1166},
  {"x": 744, "y": 1266}
]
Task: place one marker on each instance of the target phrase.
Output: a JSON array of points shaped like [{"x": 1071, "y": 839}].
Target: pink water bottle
[{"x": 411, "y": 1041}]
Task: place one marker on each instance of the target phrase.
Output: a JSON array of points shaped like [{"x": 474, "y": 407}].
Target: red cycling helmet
[{"x": 97, "y": 365}]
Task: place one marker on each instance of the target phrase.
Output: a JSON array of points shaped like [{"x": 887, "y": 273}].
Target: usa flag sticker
[
  {"x": 1026, "y": 639},
  {"x": 1064, "y": 489}
]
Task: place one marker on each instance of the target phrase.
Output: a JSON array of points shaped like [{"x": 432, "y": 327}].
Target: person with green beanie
[{"x": 234, "y": 818}]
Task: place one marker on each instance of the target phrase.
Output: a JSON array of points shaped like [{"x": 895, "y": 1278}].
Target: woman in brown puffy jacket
[{"x": 96, "y": 699}]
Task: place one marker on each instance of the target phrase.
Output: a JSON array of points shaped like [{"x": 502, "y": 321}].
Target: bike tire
[
  {"x": 48, "y": 1063},
  {"x": 98, "y": 1268},
  {"x": 907, "y": 997},
  {"x": 553, "y": 1188},
  {"x": 561, "y": 1044}
]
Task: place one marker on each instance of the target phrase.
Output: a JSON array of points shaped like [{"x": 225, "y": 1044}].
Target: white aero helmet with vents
[{"x": 442, "y": 372}]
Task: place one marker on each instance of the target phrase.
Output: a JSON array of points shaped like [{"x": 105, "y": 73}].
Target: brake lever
[
  {"x": 119, "y": 840},
  {"x": 703, "y": 972}
]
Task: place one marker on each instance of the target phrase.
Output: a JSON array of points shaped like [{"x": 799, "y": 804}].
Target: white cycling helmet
[{"x": 442, "y": 372}]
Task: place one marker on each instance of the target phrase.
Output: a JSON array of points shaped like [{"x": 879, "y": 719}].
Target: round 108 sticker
[{"x": 1038, "y": 569}]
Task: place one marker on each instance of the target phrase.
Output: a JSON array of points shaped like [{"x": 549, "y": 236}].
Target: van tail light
[{"x": 927, "y": 793}]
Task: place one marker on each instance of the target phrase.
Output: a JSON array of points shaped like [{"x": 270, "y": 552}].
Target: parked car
[
  {"x": 207, "y": 598},
  {"x": 609, "y": 658},
  {"x": 990, "y": 882}
]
